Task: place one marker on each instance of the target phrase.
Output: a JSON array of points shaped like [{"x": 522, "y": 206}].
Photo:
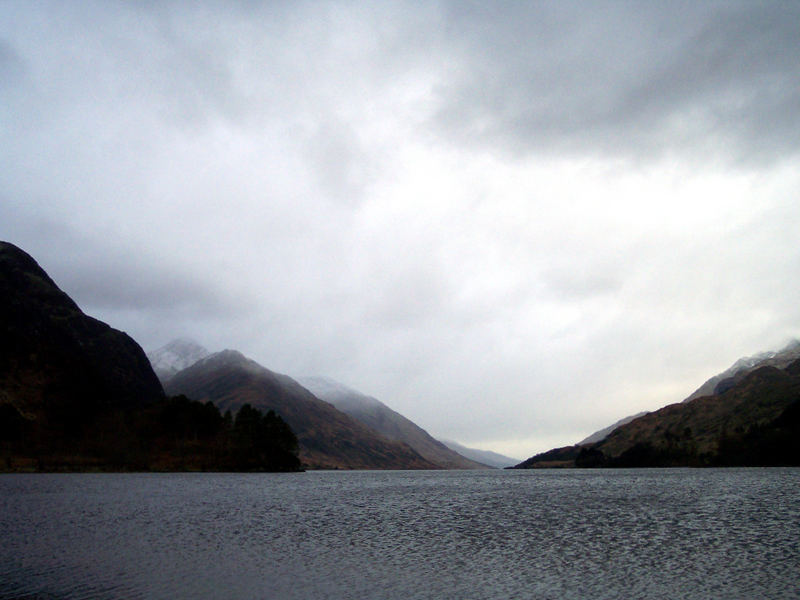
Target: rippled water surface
[{"x": 487, "y": 534}]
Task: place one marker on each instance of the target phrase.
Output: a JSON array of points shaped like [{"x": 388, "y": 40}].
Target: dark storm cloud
[
  {"x": 104, "y": 275},
  {"x": 629, "y": 79}
]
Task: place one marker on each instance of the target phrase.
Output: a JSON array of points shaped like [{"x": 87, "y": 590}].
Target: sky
[{"x": 514, "y": 223}]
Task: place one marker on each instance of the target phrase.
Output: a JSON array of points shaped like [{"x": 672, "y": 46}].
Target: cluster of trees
[
  {"x": 776, "y": 443},
  {"x": 174, "y": 434}
]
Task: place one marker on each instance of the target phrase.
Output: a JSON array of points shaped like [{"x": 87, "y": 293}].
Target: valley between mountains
[{"x": 77, "y": 394}]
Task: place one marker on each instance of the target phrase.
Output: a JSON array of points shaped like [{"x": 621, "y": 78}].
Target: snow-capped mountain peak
[{"x": 175, "y": 356}]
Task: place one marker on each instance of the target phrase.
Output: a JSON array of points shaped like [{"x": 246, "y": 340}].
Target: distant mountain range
[
  {"x": 181, "y": 359},
  {"x": 750, "y": 417},
  {"x": 375, "y": 414},
  {"x": 329, "y": 439},
  {"x": 77, "y": 394},
  {"x": 486, "y": 457}
]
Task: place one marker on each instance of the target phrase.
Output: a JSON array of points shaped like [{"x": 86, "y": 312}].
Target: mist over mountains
[
  {"x": 718, "y": 383},
  {"x": 486, "y": 457},
  {"x": 304, "y": 413},
  {"x": 328, "y": 438},
  {"x": 375, "y": 414},
  {"x": 76, "y": 393},
  {"x": 175, "y": 356},
  {"x": 738, "y": 370}
]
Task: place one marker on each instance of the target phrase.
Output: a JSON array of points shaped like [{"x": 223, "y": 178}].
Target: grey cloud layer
[
  {"x": 628, "y": 79},
  {"x": 457, "y": 207}
]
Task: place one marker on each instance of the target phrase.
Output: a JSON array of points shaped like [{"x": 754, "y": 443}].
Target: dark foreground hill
[
  {"x": 53, "y": 357},
  {"x": 375, "y": 414},
  {"x": 328, "y": 438},
  {"x": 76, "y": 394},
  {"x": 754, "y": 422}
]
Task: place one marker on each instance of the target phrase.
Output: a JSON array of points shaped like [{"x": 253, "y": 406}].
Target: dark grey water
[{"x": 493, "y": 534}]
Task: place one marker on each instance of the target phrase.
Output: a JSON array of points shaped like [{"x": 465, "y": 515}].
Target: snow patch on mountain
[
  {"x": 176, "y": 356},
  {"x": 779, "y": 359}
]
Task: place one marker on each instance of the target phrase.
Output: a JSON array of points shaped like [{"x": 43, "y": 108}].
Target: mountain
[
  {"x": 718, "y": 383},
  {"x": 755, "y": 421},
  {"x": 54, "y": 359},
  {"x": 77, "y": 395},
  {"x": 603, "y": 433},
  {"x": 736, "y": 372},
  {"x": 328, "y": 438},
  {"x": 175, "y": 356},
  {"x": 375, "y": 414},
  {"x": 698, "y": 425},
  {"x": 486, "y": 457}
]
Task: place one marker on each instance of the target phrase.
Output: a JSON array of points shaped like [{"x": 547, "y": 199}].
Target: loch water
[{"x": 650, "y": 533}]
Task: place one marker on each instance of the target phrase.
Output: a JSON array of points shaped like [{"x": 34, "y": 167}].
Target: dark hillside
[
  {"x": 328, "y": 438},
  {"x": 753, "y": 422},
  {"x": 76, "y": 394},
  {"x": 53, "y": 357}
]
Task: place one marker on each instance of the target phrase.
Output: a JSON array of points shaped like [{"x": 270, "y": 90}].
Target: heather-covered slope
[
  {"x": 328, "y": 438},
  {"x": 376, "y": 415},
  {"x": 695, "y": 429},
  {"x": 719, "y": 383}
]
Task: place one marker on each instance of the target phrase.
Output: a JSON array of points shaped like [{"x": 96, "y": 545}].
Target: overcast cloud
[{"x": 514, "y": 223}]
